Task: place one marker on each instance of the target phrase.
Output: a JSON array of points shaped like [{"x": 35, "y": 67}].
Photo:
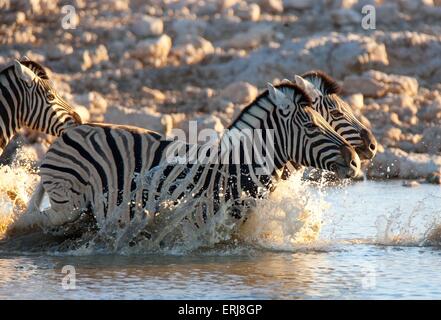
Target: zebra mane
[
  {"x": 297, "y": 93},
  {"x": 36, "y": 68},
  {"x": 39, "y": 70},
  {"x": 322, "y": 81}
]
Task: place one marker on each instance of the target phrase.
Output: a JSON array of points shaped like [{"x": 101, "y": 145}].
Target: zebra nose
[
  {"x": 351, "y": 160},
  {"x": 369, "y": 148}
]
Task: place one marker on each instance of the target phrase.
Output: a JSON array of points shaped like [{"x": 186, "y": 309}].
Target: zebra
[
  {"x": 324, "y": 92},
  {"x": 29, "y": 100},
  {"x": 97, "y": 167}
]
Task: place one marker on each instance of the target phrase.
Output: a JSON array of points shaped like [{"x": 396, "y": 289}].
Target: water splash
[
  {"x": 417, "y": 227},
  {"x": 291, "y": 218},
  {"x": 16, "y": 186}
]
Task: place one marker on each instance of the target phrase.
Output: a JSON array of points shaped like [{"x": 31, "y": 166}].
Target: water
[{"x": 362, "y": 240}]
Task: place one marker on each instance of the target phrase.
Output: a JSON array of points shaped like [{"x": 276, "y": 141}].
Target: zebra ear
[
  {"x": 275, "y": 94},
  {"x": 307, "y": 86},
  {"x": 24, "y": 73}
]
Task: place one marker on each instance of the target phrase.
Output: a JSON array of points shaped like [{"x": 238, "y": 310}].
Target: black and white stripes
[
  {"x": 123, "y": 174},
  {"x": 27, "y": 99}
]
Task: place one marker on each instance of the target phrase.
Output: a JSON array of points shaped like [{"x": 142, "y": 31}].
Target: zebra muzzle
[
  {"x": 369, "y": 147},
  {"x": 348, "y": 166}
]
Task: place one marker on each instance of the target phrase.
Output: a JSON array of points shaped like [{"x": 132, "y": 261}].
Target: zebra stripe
[
  {"x": 124, "y": 174},
  {"x": 28, "y": 100},
  {"x": 324, "y": 93}
]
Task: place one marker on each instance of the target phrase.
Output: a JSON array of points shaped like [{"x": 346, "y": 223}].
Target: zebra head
[
  {"x": 28, "y": 99},
  {"x": 324, "y": 92},
  {"x": 306, "y": 137}
]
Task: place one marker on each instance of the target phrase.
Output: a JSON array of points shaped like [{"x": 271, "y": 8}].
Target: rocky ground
[{"x": 158, "y": 64}]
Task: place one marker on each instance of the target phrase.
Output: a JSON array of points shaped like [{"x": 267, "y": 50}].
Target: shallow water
[{"x": 375, "y": 240}]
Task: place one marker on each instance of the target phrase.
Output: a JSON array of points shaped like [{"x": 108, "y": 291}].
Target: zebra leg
[
  {"x": 35, "y": 201},
  {"x": 50, "y": 218}
]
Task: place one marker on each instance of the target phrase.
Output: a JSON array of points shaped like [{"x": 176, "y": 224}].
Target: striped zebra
[
  {"x": 29, "y": 100},
  {"x": 124, "y": 174},
  {"x": 324, "y": 93}
]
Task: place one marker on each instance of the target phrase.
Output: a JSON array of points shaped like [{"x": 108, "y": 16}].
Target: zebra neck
[
  {"x": 10, "y": 99},
  {"x": 49, "y": 121},
  {"x": 248, "y": 171}
]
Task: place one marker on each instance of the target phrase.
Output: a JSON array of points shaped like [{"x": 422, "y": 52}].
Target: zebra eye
[{"x": 50, "y": 96}]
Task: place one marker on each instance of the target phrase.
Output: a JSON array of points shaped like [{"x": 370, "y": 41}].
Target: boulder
[
  {"x": 396, "y": 163},
  {"x": 246, "y": 11},
  {"x": 376, "y": 84},
  {"x": 356, "y": 101},
  {"x": 430, "y": 141},
  {"x": 95, "y": 105},
  {"x": 153, "y": 51},
  {"x": 94, "y": 57},
  {"x": 153, "y": 94},
  {"x": 147, "y": 26},
  {"x": 192, "y": 49},
  {"x": 251, "y": 38},
  {"x": 239, "y": 93}
]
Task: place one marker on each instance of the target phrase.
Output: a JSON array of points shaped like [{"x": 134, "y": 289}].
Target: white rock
[
  {"x": 210, "y": 122},
  {"x": 395, "y": 163},
  {"x": 147, "y": 26},
  {"x": 376, "y": 84},
  {"x": 153, "y": 51},
  {"x": 431, "y": 140},
  {"x": 20, "y": 17},
  {"x": 225, "y": 4},
  {"x": 239, "y": 92},
  {"x": 94, "y": 103},
  {"x": 91, "y": 58},
  {"x": 251, "y": 38},
  {"x": 193, "y": 50},
  {"x": 153, "y": 94},
  {"x": 356, "y": 101},
  {"x": 248, "y": 12},
  {"x": 5, "y": 4}
]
